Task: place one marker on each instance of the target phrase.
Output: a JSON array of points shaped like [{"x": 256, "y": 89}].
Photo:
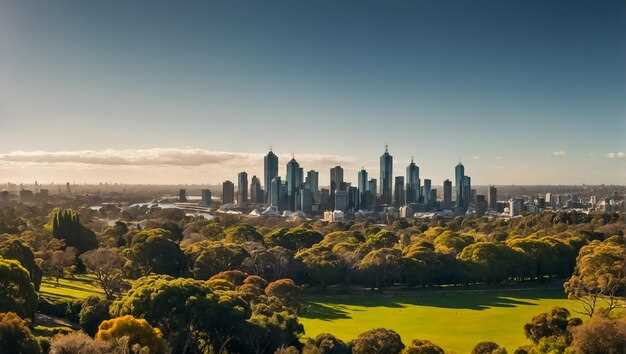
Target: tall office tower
[
  {"x": 412, "y": 182},
  {"x": 353, "y": 198},
  {"x": 336, "y": 181},
  {"x": 492, "y": 198},
  {"x": 312, "y": 180},
  {"x": 427, "y": 193},
  {"x": 398, "y": 192},
  {"x": 447, "y": 194},
  {"x": 275, "y": 190},
  {"x": 300, "y": 180},
  {"x": 371, "y": 194},
  {"x": 467, "y": 191},
  {"x": 362, "y": 187},
  {"x": 386, "y": 176},
  {"x": 242, "y": 189},
  {"x": 206, "y": 197},
  {"x": 481, "y": 204},
  {"x": 228, "y": 192},
  {"x": 270, "y": 169},
  {"x": 516, "y": 206},
  {"x": 182, "y": 195},
  {"x": 324, "y": 199},
  {"x": 284, "y": 196},
  {"x": 459, "y": 175},
  {"x": 256, "y": 192},
  {"x": 294, "y": 179},
  {"x": 305, "y": 202},
  {"x": 433, "y": 196},
  {"x": 341, "y": 200}
]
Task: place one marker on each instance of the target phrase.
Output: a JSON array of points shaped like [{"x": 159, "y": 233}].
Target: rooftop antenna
[
  {"x": 270, "y": 148},
  {"x": 386, "y": 148},
  {"x": 412, "y": 159}
]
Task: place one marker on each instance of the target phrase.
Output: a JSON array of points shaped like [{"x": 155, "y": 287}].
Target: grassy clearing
[
  {"x": 77, "y": 288},
  {"x": 455, "y": 320}
]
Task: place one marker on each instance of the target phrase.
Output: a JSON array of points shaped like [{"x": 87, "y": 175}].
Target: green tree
[
  {"x": 321, "y": 265},
  {"x": 328, "y": 344},
  {"x": 419, "y": 346},
  {"x": 488, "y": 348},
  {"x": 93, "y": 311},
  {"x": 286, "y": 291},
  {"x": 106, "y": 264},
  {"x": 138, "y": 331},
  {"x": 15, "y": 336},
  {"x": 242, "y": 233},
  {"x": 65, "y": 224},
  {"x": 488, "y": 262},
  {"x": 158, "y": 254},
  {"x": 16, "y": 249},
  {"x": 17, "y": 292},
  {"x": 380, "y": 267},
  {"x": 215, "y": 257},
  {"x": 549, "y": 324},
  {"x": 378, "y": 340},
  {"x": 295, "y": 239}
]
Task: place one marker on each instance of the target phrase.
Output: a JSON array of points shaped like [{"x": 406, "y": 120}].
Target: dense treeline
[{"x": 232, "y": 284}]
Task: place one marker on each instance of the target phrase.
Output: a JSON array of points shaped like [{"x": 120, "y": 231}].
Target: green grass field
[
  {"x": 455, "y": 320},
  {"x": 77, "y": 288}
]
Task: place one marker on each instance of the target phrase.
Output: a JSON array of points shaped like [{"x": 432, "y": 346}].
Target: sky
[{"x": 521, "y": 92}]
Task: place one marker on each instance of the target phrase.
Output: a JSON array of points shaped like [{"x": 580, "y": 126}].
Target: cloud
[
  {"x": 559, "y": 153},
  {"x": 476, "y": 157},
  {"x": 616, "y": 155},
  {"x": 155, "y": 157}
]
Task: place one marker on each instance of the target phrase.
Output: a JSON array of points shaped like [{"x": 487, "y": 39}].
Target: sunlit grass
[{"x": 77, "y": 287}]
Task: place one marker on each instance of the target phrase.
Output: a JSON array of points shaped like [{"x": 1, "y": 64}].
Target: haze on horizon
[{"x": 522, "y": 92}]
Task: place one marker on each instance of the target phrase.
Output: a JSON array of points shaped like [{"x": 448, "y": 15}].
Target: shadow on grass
[{"x": 337, "y": 306}]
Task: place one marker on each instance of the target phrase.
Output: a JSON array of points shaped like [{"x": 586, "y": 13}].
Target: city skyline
[{"x": 529, "y": 93}]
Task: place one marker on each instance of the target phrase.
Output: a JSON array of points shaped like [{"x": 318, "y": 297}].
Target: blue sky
[{"x": 523, "y": 92}]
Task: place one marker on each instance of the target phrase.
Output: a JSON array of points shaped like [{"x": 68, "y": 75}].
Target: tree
[
  {"x": 216, "y": 257},
  {"x": 59, "y": 260},
  {"x": 380, "y": 266},
  {"x": 600, "y": 335},
  {"x": 328, "y": 344},
  {"x": 321, "y": 265},
  {"x": 15, "y": 336},
  {"x": 106, "y": 264},
  {"x": 378, "y": 340},
  {"x": 599, "y": 275},
  {"x": 488, "y": 348},
  {"x": 286, "y": 291},
  {"x": 242, "y": 233},
  {"x": 295, "y": 239},
  {"x": 17, "y": 292},
  {"x": 79, "y": 343},
  {"x": 65, "y": 224},
  {"x": 488, "y": 262},
  {"x": 419, "y": 346},
  {"x": 157, "y": 254},
  {"x": 549, "y": 324},
  {"x": 16, "y": 249},
  {"x": 138, "y": 331},
  {"x": 93, "y": 311}
]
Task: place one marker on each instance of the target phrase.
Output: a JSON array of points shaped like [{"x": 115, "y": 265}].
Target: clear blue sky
[{"x": 522, "y": 92}]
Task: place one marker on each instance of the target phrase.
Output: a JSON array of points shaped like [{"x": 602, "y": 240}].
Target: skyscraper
[
  {"x": 270, "y": 167},
  {"x": 294, "y": 179},
  {"x": 242, "y": 189},
  {"x": 256, "y": 192},
  {"x": 412, "y": 182},
  {"x": 336, "y": 181},
  {"x": 467, "y": 191},
  {"x": 447, "y": 194},
  {"x": 362, "y": 186},
  {"x": 206, "y": 197},
  {"x": 372, "y": 194},
  {"x": 398, "y": 192},
  {"x": 459, "y": 174},
  {"x": 427, "y": 194},
  {"x": 228, "y": 192},
  {"x": 386, "y": 176},
  {"x": 275, "y": 190},
  {"x": 182, "y": 195},
  {"x": 492, "y": 198},
  {"x": 312, "y": 180}
]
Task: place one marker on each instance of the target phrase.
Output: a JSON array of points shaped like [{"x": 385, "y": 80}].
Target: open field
[
  {"x": 453, "y": 319},
  {"x": 77, "y": 288}
]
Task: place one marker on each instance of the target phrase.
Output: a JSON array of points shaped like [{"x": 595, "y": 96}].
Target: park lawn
[
  {"x": 78, "y": 287},
  {"x": 455, "y": 320}
]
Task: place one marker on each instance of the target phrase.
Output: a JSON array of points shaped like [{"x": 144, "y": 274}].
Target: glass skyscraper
[
  {"x": 270, "y": 167},
  {"x": 412, "y": 182},
  {"x": 459, "y": 175},
  {"x": 386, "y": 177}
]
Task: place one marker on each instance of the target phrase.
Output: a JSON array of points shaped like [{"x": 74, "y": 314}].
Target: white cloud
[
  {"x": 559, "y": 153},
  {"x": 154, "y": 157},
  {"x": 616, "y": 155}
]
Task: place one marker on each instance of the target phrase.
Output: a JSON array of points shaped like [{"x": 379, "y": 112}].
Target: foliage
[
  {"x": 420, "y": 346},
  {"x": 93, "y": 311},
  {"x": 213, "y": 257},
  {"x": 106, "y": 264},
  {"x": 599, "y": 335},
  {"x": 17, "y": 292},
  {"x": 15, "y": 336},
  {"x": 488, "y": 348},
  {"x": 321, "y": 265},
  {"x": 138, "y": 331},
  {"x": 555, "y": 323},
  {"x": 155, "y": 253},
  {"x": 378, "y": 340},
  {"x": 15, "y": 249},
  {"x": 65, "y": 224}
]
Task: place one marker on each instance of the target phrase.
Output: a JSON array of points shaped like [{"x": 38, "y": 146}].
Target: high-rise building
[
  {"x": 256, "y": 192},
  {"x": 341, "y": 200},
  {"x": 353, "y": 198},
  {"x": 206, "y": 197},
  {"x": 305, "y": 203},
  {"x": 363, "y": 189},
  {"x": 398, "y": 192},
  {"x": 467, "y": 191},
  {"x": 324, "y": 199},
  {"x": 182, "y": 195},
  {"x": 386, "y": 177},
  {"x": 516, "y": 207},
  {"x": 312, "y": 180},
  {"x": 371, "y": 194},
  {"x": 412, "y": 182},
  {"x": 228, "y": 192},
  {"x": 492, "y": 198},
  {"x": 481, "y": 204},
  {"x": 242, "y": 189},
  {"x": 427, "y": 193},
  {"x": 336, "y": 182},
  {"x": 275, "y": 189},
  {"x": 433, "y": 197},
  {"x": 294, "y": 179},
  {"x": 447, "y": 194},
  {"x": 270, "y": 168},
  {"x": 459, "y": 175}
]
